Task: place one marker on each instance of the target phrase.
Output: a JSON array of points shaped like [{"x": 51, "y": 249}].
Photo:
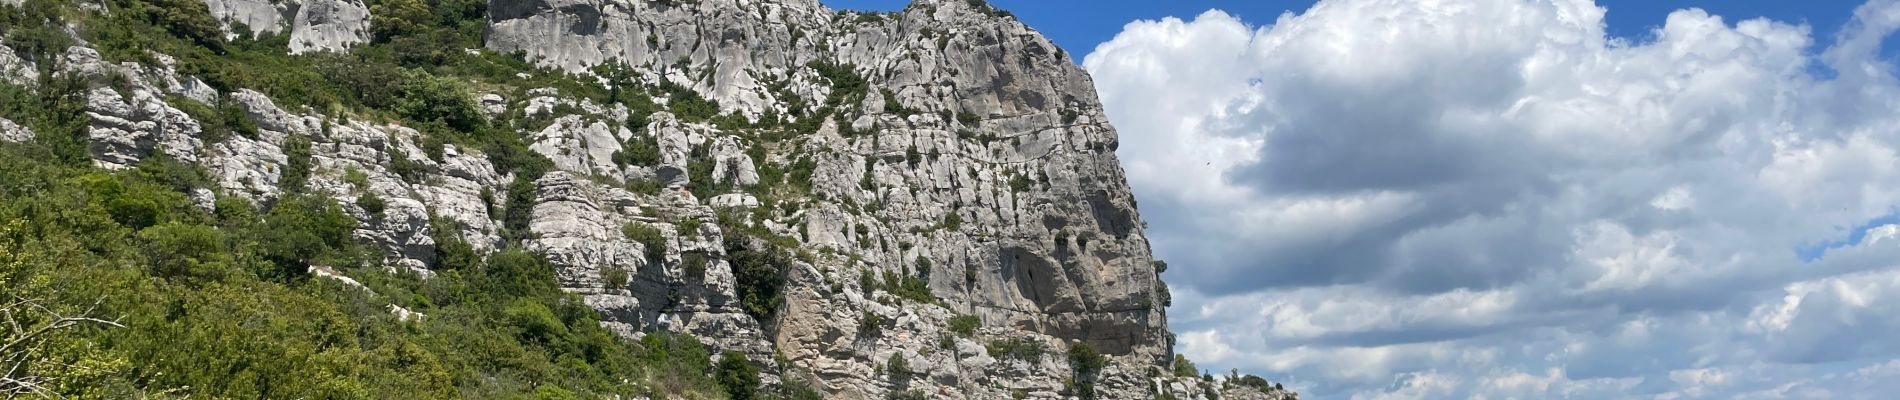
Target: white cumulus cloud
[{"x": 1495, "y": 199}]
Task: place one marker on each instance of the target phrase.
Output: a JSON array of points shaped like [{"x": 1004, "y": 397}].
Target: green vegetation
[
  {"x": 695, "y": 264},
  {"x": 1085, "y": 362},
  {"x": 1184, "y": 368},
  {"x": 1019, "y": 183},
  {"x": 898, "y": 367},
  {"x": 870, "y": 325},
  {"x": 687, "y": 227},
  {"x": 642, "y": 150},
  {"x": 964, "y": 325},
  {"x": 968, "y": 119},
  {"x": 614, "y": 276},
  {"x": 758, "y": 267},
  {"x": 907, "y": 395},
  {"x": 297, "y": 165},
  {"x": 1257, "y": 383},
  {"x": 371, "y": 203},
  {"x": 892, "y": 106},
  {"x": 687, "y": 104},
  {"x": 1016, "y": 349},
  {"x": 648, "y": 237},
  {"x": 908, "y": 287},
  {"x": 951, "y": 221},
  {"x": 738, "y": 376},
  {"x": 220, "y": 304}
]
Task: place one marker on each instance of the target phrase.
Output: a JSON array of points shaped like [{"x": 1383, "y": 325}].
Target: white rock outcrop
[{"x": 329, "y": 25}]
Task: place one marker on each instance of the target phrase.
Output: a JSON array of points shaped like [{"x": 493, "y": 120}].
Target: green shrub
[
  {"x": 411, "y": 171},
  {"x": 695, "y": 264},
  {"x": 870, "y": 324},
  {"x": 968, "y": 119},
  {"x": 688, "y": 227},
  {"x": 892, "y": 106},
  {"x": 1256, "y": 382},
  {"x": 641, "y": 150},
  {"x": 519, "y": 211},
  {"x": 1019, "y": 183},
  {"x": 964, "y": 325},
  {"x": 297, "y": 165},
  {"x": 738, "y": 376},
  {"x": 1184, "y": 368},
  {"x": 371, "y": 203},
  {"x": 648, "y": 237},
  {"x": 178, "y": 250},
  {"x": 1085, "y": 360},
  {"x": 952, "y": 221},
  {"x": 907, "y": 395},
  {"x": 898, "y": 367},
  {"x": 1016, "y": 349},
  {"x": 221, "y": 306},
  {"x": 356, "y": 178},
  {"x": 301, "y": 229},
  {"x": 533, "y": 321},
  {"x": 757, "y": 272},
  {"x": 908, "y": 287},
  {"x": 687, "y": 104},
  {"x": 614, "y": 276},
  {"x": 428, "y": 98},
  {"x": 451, "y": 251}
]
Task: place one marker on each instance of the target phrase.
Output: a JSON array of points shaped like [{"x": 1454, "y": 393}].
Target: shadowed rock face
[{"x": 978, "y": 162}]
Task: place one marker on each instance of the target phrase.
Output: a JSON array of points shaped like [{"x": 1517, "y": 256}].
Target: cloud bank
[{"x": 1391, "y": 199}]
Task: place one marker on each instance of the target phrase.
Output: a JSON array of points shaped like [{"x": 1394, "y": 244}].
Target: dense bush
[
  {"x": 297, "y": 165},
  {"x": 738, "y": 376},
  {"x": 757, "y": 267},
  {"x": 641, "y": 150},
  {"x": 648, "y": 237},
  {"x": 964, "y": 325},
  {"x": 1184, "y": 368},
  {"x": 695, "y": 264},
  {"x": 870, "y": 325},
  {"x": 1256, "y": 382},
  {"x": 217, "y": 304},
  {"x": 1016, "y": 349},
  {"x": 1086, "y": 361},
  {"x": 614, "y": 276},
  {"x": 898, "y": 367},
  {"x": 908, "y": 287},
  {"x": 429, "y": 98}
]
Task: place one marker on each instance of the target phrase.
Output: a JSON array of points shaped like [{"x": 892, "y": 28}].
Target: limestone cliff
[{"x": 949, "y": 144}]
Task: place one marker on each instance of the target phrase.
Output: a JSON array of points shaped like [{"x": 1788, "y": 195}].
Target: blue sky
[
  {"x": 1404, "y": 199},
  {"x": 1079, "y": 25}
]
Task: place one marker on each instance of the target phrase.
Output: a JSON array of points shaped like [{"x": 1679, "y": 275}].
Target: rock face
[
  {"x": 260, "y": 16},
  {"x": 313, "y": 25},
  {"x": 1049, "y": 248},
  {"x": 970, "y": 177},
  {"x": 13, "y": 132},
  {"x": 331, "y": 25}
]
